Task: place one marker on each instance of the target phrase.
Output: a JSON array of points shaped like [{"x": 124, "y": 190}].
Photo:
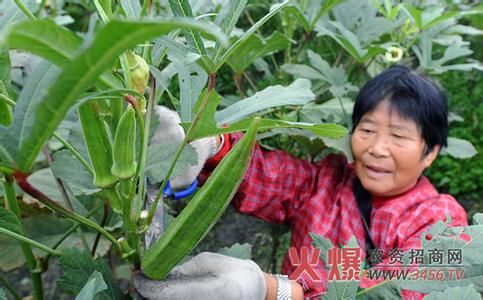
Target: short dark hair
[{"x": 413, "y": 96}]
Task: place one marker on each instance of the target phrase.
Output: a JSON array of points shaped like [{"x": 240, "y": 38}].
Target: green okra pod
[
  {"x": 202, "y": 212},
  {"x": 98, "y": 142},
  {"x": 124, "y": 154}
]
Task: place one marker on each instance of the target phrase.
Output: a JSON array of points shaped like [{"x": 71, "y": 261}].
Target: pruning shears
[{"x": 156, "y": 228}]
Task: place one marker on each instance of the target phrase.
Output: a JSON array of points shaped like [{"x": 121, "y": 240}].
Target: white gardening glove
[
  {"x": 207, "y": 276},
  {"x": 169, "y": 129}
]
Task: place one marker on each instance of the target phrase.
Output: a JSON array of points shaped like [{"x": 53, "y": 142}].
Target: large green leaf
[
  {"x": 10, "y": 12},
  {"x": 132, "y": 8},
  {"x": 467, "y": 238},
  {"x": 385, "y": 290},
  {"x": 182, "y": 8},
  {"x": 297, "y": 93},
  {"x": 95, "y": 284},
  {"x": 243, "y": 39},
  {"x": 160, "y": 157},
  {"x": 350, "y": 42},
  {"x": 459, "y": 148},
  {"x": 335, "y": 289},
  {"x": 424, "y": 52},
  {"x": 255, "y": 47},
  {"x": 460, "y": 293},
  {"x": 9, "y": 221},
  {"x": 44, "y": 38},
  {"x": 79, "y": 73},
  {"x": 207, "y": 125},
  {"x": 308, "y": 13},
  {"x": 45, "y": 229},
  {"x": 5, "y": 68},
  {"x": 52, "y": 42},
  {"x": 227, "y": 19},
  {"x": 73, "y": 174},
  {"x": 78, "y": 267},
  {"x": 24, "y": 114}
]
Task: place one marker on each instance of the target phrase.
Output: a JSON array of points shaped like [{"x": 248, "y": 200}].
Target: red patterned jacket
[{"x": 318, "y": 198}]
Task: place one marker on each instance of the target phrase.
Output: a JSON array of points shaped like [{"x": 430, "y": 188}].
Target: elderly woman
[{"x": 400, "y": 123}]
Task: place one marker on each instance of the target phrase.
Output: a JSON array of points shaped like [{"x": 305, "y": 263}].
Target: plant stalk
[
  {"x": 21, "y": 179},
  {"x": 66, "y": 234},
  {"x": 25, "y": 10},
  {"x": 11, "y": 198},
  {"x": 29, "y": 241},
  {"x": 139, "y": 200},
  {"x": 187, "y": 138},
  {"x": 74, "y": 152},
  {"x": 67, "y": 201},
  {"x": 6, "y": 99}
]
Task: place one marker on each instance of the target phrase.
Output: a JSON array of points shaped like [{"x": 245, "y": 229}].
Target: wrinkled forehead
[{"x": 396, "y": 117}]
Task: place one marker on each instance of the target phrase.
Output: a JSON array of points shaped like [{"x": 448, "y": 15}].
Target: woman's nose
[{"x": 379, "y": 146}]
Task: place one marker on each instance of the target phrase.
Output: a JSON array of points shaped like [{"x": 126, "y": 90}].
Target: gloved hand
[
  {"x": 169, "y": 129},
  {"x": 207, "y": 276}
]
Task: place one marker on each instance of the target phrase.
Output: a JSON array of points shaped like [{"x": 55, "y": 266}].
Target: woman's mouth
[{"x": 376, "y": 172}]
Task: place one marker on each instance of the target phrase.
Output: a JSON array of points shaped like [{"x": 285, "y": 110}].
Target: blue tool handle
[{"x": 168, "y": 192}]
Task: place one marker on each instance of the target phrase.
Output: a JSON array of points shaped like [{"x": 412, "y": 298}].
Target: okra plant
[
  {"x": 76, "y": 113},
  {"x": 104, "y": 77}
]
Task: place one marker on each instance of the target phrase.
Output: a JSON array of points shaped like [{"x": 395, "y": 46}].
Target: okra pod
[
  {"x": 98, "y": 142},
  {"x": 203, "y": 210},
  {"x": 124, "y": 154}
]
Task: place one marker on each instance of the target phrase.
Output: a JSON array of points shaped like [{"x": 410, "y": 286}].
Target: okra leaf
[
  {"x": 227, "y": 19},
  {"x": 160, "y": 157},
  {"x": 81, "y": 72},
  {"x": 242, "y": 40},
  {"x": 67, "y": 168},
  {"x": 256, "y": 47},
  {"x": 468, "y": 240},
  {"x": 45, "y": 39},
  {"x": 6, "y": 112},
  {"x": 335, "y": 289},
  {"x": 95, "y": 284},
  {"x": 45, "y": 229},
  {"x": 52, "y": 42},
  {"x": 384, "y": 290},
  {"x": 208, "y": 127},
  {"x": 78, "y": 267},
  {"x": 5, "y": 70},
  {"x": 297, "y": 93},
  {"x": 182, "y": 8},
  {"x": 243, "y": 251},
  {"x": 459, "y": 148},
  {"x": 29, "y": 98},
  {"x": 132, "y": 9},
  {"x": 12, "y": 13},
  {"x": 9, "y": 220},
  {"x": 466, "y": 293}
]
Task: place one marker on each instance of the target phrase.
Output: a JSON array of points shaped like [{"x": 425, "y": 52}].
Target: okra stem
[
  {"x": 139, "y": 200},
  {"x": 21, "y": 179},
  {"x": 187, "y": 138},
  {"x": 74, "y": 152},
  {"x": 11, "y": 198}
]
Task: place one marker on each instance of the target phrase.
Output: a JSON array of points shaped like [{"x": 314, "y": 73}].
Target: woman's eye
[
  {"x": 397, "y": 136},
  {"x": 367, "y": 130}
]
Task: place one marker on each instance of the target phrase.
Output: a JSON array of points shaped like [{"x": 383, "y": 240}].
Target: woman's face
[{"x": 388, "y": 152}]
